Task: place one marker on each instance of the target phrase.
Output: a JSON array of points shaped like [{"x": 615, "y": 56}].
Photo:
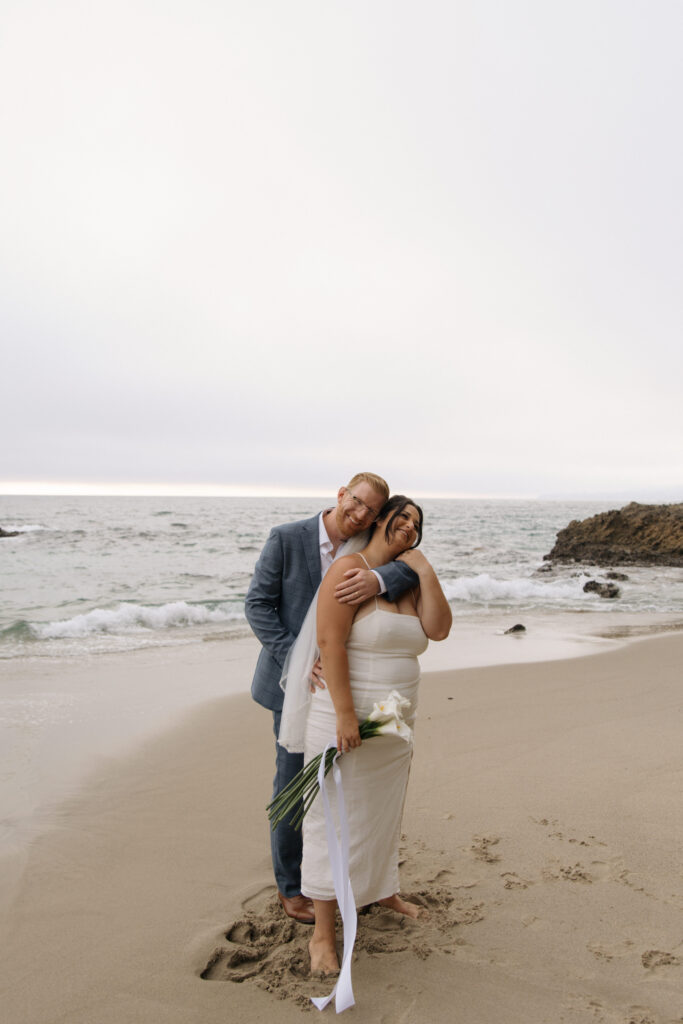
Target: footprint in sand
[
  {"x": 576, "y": 873},
  {"x": 262, "y": 934},
  {"x": 567, "y": 873},
  {"x": 458, "y": 876},
  {"x": 596, "y": 1010},
  {"x": 654, "y": 959},
  {"x": 242, "y": 932},
  {"x": 609, "y": 953},
  {"x": 444, "y": 876},
  {"x": 265, "y": 948},
  {"x": 513, "y": 881},
  {"x": 481, "y": 848},
  {"x": 556, "y": 833},
  {"x": 408, "y": 1011},
  {"x": 465, "y": 912},
  {"x": 612, "y": 870},
  {"x": 641, "y": 1015},
  {"x": 603, "y": 1013},
  {"x": 382, "y": 931},
  {"x": 256, "y": 899}
]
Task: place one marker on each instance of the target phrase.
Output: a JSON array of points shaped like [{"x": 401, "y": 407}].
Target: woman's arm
[
  {"x": 334, "y": 626},
  {"x": 432, "y": 607}
]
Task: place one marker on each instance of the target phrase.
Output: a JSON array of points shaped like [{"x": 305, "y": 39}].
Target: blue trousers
[{"x": 286, "y": 842}]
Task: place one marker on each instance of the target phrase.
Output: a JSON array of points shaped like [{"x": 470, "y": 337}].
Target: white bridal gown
[{"x": 382, "y": 649}]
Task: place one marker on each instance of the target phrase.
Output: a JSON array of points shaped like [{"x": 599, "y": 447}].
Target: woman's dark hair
[{"x": 393, "y": 508}]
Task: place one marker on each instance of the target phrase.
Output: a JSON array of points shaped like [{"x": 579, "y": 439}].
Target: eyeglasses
[{"x": 362, "y": 507}]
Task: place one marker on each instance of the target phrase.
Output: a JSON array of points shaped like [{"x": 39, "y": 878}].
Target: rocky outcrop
[
  {"x": 634, "y": 535},
  {"x": 8, "y": 533}
]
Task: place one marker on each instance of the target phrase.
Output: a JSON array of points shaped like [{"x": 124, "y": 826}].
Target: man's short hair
[{"x": 376, "y": 482}]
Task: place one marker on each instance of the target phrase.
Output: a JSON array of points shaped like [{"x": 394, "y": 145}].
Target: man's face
[{"x": 357, "y": 508}]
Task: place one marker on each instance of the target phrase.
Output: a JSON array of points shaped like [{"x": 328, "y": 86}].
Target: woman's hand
[
  {"x": 348, "y": 735},
  {"x": 415, "y": 559}
]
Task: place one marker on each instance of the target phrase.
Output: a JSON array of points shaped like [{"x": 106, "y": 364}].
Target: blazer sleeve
[
  {"x": 262, "y": 603},
  {"x": 397, "y": 578}
]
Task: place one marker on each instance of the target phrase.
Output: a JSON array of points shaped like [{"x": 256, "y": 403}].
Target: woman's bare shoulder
[
  {"x": 341, "y": 565},
  {"x": 346, "y": 562}
]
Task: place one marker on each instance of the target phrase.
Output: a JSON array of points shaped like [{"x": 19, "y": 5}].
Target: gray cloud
[{"x": 265, "y": 244}]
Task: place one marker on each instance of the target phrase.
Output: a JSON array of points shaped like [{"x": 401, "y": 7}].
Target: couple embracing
[{"x": 376, "y": 603}]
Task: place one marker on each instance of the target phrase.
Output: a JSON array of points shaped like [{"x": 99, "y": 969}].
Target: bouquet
[{"x": 385, "y": 719}]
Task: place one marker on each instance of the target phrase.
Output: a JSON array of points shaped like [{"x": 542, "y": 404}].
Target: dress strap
[{"x": 366, "y": 562}]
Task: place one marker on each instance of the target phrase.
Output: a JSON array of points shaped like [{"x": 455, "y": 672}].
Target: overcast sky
[{"x": 265, "y": 244}]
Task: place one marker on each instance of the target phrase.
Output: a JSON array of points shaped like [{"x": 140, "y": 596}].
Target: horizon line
[
  {"x": 74, "y": 489},
  {"x": 124, "y": 489}
]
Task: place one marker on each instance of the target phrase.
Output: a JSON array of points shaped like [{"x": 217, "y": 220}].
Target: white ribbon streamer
[{"x": 339, "y": 860}]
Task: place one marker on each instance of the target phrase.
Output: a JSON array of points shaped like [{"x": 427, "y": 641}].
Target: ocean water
[{"x": 90, "y": 575}]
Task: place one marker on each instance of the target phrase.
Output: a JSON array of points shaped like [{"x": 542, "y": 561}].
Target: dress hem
[{"x": 365, "y": 902}]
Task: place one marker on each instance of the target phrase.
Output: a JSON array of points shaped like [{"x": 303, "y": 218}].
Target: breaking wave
[
  {"x": 28, "y": 528},
  {"x": 128, "y": 618},
  {"x": 485, "y": 589}
]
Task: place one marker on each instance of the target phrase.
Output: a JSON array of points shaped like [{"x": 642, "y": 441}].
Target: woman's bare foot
[
  {"x": 323, "y": 957},
  {"x": 401, "y": 906}
]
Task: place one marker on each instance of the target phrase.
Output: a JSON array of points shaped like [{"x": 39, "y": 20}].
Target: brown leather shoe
[{"x": 299, "y": 907}]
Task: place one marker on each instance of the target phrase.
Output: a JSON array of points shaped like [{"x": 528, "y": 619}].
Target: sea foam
[
  {"x": 27, "y": 528},
  {"x": 484, "y": 589},
  {"x": 136, "y": 617}
]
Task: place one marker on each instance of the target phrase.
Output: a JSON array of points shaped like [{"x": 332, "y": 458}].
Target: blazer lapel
[{"x": 311, "y": 542}]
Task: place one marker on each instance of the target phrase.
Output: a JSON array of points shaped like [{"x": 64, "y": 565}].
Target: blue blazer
[{"x": 284, "y": 583}]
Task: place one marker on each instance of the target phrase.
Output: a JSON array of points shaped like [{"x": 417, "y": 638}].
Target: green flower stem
[
  {"x": 300, "y": 781},
  {"x": 296, "y": 798},
  {"x": 297, "y": 822},
  {"x": 282, "y": 808}
]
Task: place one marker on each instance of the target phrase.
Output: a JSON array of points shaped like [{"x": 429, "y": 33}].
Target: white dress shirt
[{"x": 326, "y": 556}]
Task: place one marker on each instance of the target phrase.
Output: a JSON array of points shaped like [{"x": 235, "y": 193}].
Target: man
[{"x": 294, "y": 559}]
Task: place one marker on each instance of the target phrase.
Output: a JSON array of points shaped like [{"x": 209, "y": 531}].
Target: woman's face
[{"x": 405, "y": 527}]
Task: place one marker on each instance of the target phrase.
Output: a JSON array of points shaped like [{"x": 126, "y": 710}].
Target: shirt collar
[{"x": 323, "y": 538}]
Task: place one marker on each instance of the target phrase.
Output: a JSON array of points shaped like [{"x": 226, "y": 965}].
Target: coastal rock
[
  {"x": 634, "y": 535},
  {"x": 8, "y": 533},
  {"x": 517, "y": 628},
  {"x": 608, "y": 590},
  {"x": 616, "y": 576}
]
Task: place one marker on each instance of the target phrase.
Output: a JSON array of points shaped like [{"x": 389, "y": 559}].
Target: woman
[{"x": 366, "y": 653}]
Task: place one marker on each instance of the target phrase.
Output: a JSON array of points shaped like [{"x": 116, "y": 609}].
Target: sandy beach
[{"x": 542, "y": 832}]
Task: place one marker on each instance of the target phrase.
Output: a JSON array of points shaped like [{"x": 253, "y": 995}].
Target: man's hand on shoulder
[
  {"x": 357, "y": 586},
  {"x": 317, "y": 681}
]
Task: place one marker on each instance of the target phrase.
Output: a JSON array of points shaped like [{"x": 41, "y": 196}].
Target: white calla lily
[
  {"x": 391, "y": 707},
  {"x": 396, "y": 727}
]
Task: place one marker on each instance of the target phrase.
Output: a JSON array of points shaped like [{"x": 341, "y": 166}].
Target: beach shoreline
[
  {"x": 541, "y": 828},
  {"x": 59, "y": 717}
]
